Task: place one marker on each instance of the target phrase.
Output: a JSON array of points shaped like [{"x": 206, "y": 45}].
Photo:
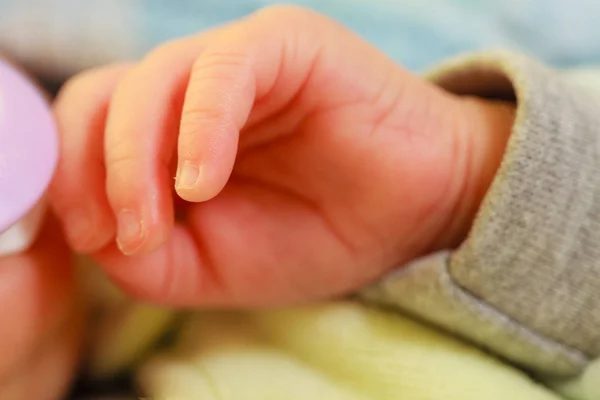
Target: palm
[{"x": 312, "y": 206}]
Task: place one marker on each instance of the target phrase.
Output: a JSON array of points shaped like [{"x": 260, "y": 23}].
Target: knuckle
[
  {"x": 199, "y": 113},
  {"x": 193, "y": 117},
  {"x": 73, "y": 88},
  {"x": 121, "y": 162},
  {"x": 219, "y": 65},
  {"x": 278, "y": 12},
  {"x": 119, "y": 182},
  {"x": 213, "y": 74},
  {"x": 166, "y": 52},
  {"x": 83, "y": 85},
  {"x": 292, "y": 20}
]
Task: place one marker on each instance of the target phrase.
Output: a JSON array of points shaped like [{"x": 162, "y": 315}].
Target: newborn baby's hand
[{"x": 309, "y": 164}]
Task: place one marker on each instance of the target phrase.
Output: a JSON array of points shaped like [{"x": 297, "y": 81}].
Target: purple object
[{"x": 28, "y": 158}]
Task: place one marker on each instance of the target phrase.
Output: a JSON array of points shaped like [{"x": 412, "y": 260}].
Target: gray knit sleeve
[{"x": 526, "y": 282}]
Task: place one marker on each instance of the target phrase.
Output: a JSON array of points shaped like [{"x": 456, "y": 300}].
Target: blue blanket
[{"x": 61, "y": 37}]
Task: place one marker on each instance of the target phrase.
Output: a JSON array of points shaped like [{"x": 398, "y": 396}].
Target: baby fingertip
[
  {"x": 131, "y": 232},
  {"x": 84, "y": 234},
  {"x": 192, "y": 182},
  {"x": 139, "y": 234},
  {"x": 188, "y": 176}
]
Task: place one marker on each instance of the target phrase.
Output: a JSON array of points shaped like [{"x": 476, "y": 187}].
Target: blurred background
[{"x": 60, "y": 37}]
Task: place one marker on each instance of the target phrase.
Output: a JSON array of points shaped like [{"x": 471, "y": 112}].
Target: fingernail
[
  {"x": 187, "y": 176},
  {"x": 130, "y": 231}
]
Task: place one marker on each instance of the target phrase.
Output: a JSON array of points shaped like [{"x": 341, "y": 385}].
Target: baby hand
[{"x": 307, "y": 164}]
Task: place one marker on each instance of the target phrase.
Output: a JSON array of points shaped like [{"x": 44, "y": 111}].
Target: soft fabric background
[{"x": 64, "y": 36}]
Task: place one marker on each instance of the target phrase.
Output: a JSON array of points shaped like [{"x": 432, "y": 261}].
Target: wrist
[{"x": 484, "y": 128}]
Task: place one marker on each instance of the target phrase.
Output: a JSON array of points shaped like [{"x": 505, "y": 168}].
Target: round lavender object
[{"x": 28, "y": 158}]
